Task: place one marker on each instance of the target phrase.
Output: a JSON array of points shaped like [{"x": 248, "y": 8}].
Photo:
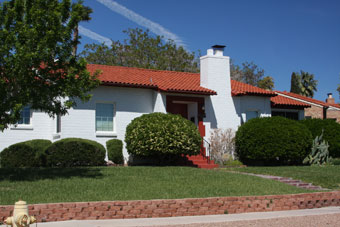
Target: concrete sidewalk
[{"x": 206, "y": 220}]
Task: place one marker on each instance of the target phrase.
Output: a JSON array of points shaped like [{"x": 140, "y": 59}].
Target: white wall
[
  {"x": 261, "y": 104},
  {"x": 129, "y": 102},
  {"x": 80, "y": 121},
  {"x": 40, "y": 128}
]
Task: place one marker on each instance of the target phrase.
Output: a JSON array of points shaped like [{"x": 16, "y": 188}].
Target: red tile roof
[
  {"x": 169, "y": 81},
  {"x": 281, "y": 101},
  {"x": 239, "y": 88}
]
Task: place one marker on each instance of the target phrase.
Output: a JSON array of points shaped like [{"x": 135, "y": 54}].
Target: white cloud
[
  {"x": 138, "y": 19},
  {"x": 94, "y": 36}
]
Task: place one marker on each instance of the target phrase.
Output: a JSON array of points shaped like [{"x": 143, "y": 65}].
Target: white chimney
[{"x": 215, "y": 75}]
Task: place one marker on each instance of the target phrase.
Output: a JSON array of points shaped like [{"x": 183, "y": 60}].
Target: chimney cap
[{"x": 218, "y": 46}]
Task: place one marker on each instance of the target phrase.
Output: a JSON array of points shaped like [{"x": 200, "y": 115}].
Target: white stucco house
[{"x": 210, "y": 99}]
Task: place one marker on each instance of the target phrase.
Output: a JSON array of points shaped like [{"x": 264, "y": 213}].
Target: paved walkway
[
  {"x": 286, "y": 180},
  {"x": 327, "y": 216}
]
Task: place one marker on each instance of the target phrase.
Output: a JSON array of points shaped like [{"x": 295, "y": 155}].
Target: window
[
  {"x": 286, "y": 114},
  {"x": 251, "y": 114},
  {"x": 104, "y": 117},
  {"x": 25, "y": 116}
]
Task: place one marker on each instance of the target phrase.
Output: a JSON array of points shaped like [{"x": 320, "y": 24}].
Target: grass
[
  {"x": 129, "y": 183},
  {"x": 325, "y": 176}
]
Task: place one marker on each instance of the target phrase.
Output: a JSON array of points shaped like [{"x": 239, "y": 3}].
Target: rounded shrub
[
  {"x": 25, "y": 154},
  {"x": 272, "y": 141},
  {"x": 75, "y": 152},
  {"x": 115, "y": 151},
  {"x": 331, "y": 133},
  {"x": 159, "y": 134}
]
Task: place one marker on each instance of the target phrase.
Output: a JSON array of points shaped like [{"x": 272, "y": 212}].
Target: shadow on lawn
[{"x": 33, "y": 174}]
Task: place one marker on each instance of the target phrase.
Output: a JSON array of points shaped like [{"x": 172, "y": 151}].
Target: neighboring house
[
  {"x": 316, "y": 108},
  {"x": 209, "y": 99}
]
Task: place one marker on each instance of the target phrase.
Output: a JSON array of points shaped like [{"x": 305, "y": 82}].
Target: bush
[
  {"x": 25, "y": 154},
  {"x": 159, "y": 134},
  {"x": 272, "y": 141},
  {"x": 115, "y": 151},
  {"x": 75, "y": 152},
  {"x": 331, "y": 133}
]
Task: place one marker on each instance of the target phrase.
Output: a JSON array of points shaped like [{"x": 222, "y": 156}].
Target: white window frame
[
  {"x": 29, "y": 126},
  {"x": 112, "y": 133}
]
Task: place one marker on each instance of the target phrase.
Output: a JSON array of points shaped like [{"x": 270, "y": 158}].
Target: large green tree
[
  {"x": 143, "y": 50},
  {"x": 250, "y": 73},
  {"x": 303, "y": 83},
  {"x": 38, "y": 66}
]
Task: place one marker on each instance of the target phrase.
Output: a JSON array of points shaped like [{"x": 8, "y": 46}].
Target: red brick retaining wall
[{"x": 176, "y": 207}]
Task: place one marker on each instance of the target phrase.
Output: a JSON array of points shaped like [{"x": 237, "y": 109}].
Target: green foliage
[
  {"x": 143, "y": 50},
  {"x": 331, "y": 133},
  {"x": 115, "y": 151},
  {"x": 295, "y": 83},
  {"x": 335, "y": 161},
  {"x": 319, "y": 154},
  {"x": 272, "y": 141},
  {"x": 303, "y": 83},
  {"x": 233, "y": 163},
  {"x": 25, "y": 154},
  {"x": 250, "y": 73},
  {"x": 37, "y": 66},
  {"x": 159, "y": 134},
  {"x": 75, "y": 152},
  {"x": 266, "y": 83}
]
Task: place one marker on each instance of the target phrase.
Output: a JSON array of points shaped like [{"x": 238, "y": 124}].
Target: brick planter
[{"x": 176, "y": 207}]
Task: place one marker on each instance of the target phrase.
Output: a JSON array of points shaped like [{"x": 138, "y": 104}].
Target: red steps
[{"x": 201, "y": 161}]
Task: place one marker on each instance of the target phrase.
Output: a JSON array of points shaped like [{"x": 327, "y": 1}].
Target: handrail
[{"x": 208, "y": 149}]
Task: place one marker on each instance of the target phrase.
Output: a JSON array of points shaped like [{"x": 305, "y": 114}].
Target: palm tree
[
  {"x": 303, "y": 83},
  {"x": 83, "y": 14},
  {"x": 308, "y": 84}
]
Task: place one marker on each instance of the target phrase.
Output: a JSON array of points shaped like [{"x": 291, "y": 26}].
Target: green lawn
[
  {"x": 129, "y": 183},
  {"x": 325, "y": 176}
]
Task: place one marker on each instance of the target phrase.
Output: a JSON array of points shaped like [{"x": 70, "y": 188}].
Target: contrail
[
  {"x": 138, "y": 19},
  {"x": 94, "y": 36}
]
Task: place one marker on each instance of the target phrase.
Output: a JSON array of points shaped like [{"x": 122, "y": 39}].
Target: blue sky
[{"x": 279, "y": 36}]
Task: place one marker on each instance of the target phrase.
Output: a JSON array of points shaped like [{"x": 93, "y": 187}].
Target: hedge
[
  {"x": 25, "y": 154},
  {"x": 331, "y": 133},
  {"x": 159, "y": 134},
  {"x": 115, "y": 151},
  {"x": 273, "y": 141},
  {"x": 71, "y": 152}
]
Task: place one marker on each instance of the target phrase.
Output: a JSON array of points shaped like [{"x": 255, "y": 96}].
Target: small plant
[
  {"x": 115, "y": 151},
  {"x": 222, "y": 145},
  {"x": 233, "y": 163},
  {"x": 320, "y": 153}
]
